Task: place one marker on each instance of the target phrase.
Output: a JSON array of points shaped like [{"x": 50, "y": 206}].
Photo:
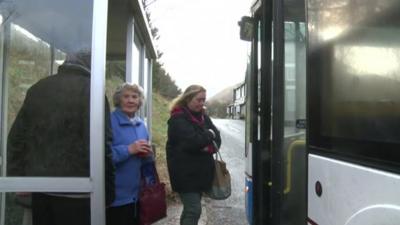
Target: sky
[{"x": 200, "y": 41}]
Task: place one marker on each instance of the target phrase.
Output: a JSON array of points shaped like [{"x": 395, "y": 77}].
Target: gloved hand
[{"x": 211, "y": 148}]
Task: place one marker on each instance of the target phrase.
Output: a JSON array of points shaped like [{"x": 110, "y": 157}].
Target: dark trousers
[
  {"x": 54, "y": 210},
  {"x": 191, "y": 208},
  {"x": 123, "y": 215}
]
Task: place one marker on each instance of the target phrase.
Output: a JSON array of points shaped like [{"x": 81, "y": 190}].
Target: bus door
[
  {"x": 275, "y": 121},
  {"x": 288, "y": 123},
  {"x": 257, "y": 119}
]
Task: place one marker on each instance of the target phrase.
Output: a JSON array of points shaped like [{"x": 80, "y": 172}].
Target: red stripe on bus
[{"x": 311, "y": 221}]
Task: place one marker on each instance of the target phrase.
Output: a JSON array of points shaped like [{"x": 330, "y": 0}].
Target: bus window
[
  {"x": 355, "y": 67},
  {"x": 362, "y": 99},
  {"x": 295, "y": 76},
  {"x": 294, "y": 155}
]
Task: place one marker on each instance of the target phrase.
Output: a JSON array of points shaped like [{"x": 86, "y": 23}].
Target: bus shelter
[{"x": 35, "y": 38}]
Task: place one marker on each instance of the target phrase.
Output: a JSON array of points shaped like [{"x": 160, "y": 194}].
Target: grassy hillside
[
  {"x": 160, "y": 115},
  {"x": 217, "y": 104}
]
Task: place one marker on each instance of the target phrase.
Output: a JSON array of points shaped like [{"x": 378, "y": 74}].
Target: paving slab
[{"x": 174, "y": 211}]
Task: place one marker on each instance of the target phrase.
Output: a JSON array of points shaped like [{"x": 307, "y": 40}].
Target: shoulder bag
[{"x": 221, "y": 186}]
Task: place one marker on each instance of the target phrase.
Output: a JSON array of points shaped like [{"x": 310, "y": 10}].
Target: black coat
[
  {"x": 50, "y": 135},
  {"x": 191, "y": 169}
]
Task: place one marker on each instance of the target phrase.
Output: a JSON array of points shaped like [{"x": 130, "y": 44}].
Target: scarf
[{"x": 195, "y": 119}]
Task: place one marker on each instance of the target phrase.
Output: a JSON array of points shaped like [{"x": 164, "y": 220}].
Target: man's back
[{"x": 50, "y": 136}]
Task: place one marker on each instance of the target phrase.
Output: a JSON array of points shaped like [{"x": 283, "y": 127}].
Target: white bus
[{"x": 322, "y": 133}]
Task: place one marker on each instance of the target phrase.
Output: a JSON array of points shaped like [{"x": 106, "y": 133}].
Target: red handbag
[{"x": 152, "y": 198}]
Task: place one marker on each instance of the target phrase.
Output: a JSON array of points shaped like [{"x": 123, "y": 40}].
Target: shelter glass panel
[
  {"x": 45, "y": 122},
  {"x": 115, "y": 76},
  {"x": 18, "y": 208}
]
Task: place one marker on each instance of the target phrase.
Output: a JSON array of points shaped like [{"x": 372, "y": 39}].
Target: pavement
[{"x": 174, "y": 210}]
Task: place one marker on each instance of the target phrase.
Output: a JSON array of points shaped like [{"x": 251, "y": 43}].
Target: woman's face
[
  {"x": 130, "y": 102},
  {"x": 197, "y": 102}
]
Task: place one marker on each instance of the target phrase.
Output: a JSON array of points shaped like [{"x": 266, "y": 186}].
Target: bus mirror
[{"x": 247, "y": 25}]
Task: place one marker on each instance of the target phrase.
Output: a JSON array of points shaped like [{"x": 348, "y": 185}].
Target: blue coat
[{"x": 127, "y": 166}]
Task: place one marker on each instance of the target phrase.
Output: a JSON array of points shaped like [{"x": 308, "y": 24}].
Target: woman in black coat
[{"x": 192, "y": 140}]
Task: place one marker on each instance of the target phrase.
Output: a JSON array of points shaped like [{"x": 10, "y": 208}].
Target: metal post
[
  {"x": 5, "y": 44},
  {"x": 141, "y": 78},
  {"x": 97, "y": 102},
  {"x": 149, "y": 96},
  {"x": 130, "y": 34},
  {"x": 141, "y": 65}
]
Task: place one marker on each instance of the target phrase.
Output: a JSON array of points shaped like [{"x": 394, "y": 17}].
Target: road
[{"x": 230, "y": 211}]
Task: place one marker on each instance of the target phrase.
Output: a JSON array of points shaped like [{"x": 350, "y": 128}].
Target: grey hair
[{"x": 127, "y": 86}]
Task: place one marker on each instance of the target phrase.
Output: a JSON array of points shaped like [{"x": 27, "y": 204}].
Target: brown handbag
[
  {"x": 221, "y": 186},
  {"x": 152, "y": 198}
]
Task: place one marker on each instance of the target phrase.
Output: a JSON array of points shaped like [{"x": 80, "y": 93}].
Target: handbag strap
[
  {"x": 155, "y": 173},
  {"x": 218, "y": 155}
]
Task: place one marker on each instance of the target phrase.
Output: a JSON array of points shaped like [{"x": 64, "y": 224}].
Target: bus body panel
[{"x": 351, "y": 194}]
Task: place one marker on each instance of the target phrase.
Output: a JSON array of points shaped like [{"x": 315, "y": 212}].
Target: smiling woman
[
  {"x": 129, "y": 97},
  {"x": 131, "y": 150}
]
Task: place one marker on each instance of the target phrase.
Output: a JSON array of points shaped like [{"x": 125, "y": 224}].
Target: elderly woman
[
  {"x": 192, "y": 139},
  {"x": 131, "y": 149}
]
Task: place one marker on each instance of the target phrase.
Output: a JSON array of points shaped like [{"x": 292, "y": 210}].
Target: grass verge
[{"x": 160, "y": 115}]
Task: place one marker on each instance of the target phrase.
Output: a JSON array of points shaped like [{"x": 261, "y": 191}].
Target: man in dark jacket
[{"x": 50, "y": 138}]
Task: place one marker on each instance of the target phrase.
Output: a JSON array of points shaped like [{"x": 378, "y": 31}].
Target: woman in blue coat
[{"x": 131, "y": 149}]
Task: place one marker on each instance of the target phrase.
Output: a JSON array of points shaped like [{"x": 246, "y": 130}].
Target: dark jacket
[
  {"x": 191, "y": 168},
  {"x": 50, "y": 135}
]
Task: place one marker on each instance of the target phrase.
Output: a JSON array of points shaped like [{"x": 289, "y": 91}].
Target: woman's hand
[{"x": 140, "y": 148}]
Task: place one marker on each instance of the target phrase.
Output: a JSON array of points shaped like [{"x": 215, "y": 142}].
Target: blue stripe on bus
[{"x": 249, "y": 200}]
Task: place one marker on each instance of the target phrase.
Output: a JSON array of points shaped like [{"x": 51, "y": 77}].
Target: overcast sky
[{"x": 200, "y": 41}]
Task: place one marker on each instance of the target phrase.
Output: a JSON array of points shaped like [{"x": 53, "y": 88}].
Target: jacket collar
[
  {"x": 123, "y": 119},
  {"x": 68, "y": 67}
]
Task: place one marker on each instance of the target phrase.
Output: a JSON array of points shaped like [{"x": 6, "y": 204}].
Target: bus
[
  {"x": 322, "y": 127},
  {"x": 35, "y": 38}
]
